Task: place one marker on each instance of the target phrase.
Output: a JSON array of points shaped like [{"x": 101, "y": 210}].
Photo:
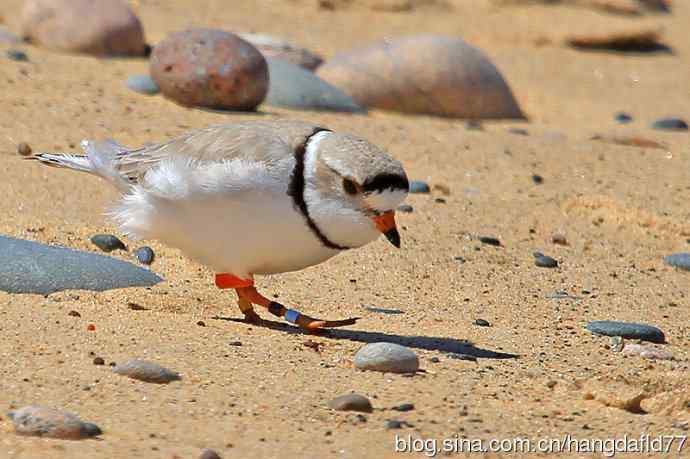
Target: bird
[{"x": 251, "y": 198}]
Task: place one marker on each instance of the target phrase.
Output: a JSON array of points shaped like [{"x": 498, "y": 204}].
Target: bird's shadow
[{"x": 429, "y": 343}]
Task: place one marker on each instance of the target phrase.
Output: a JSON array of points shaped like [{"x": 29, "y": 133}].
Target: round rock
[
  {"x": 428, "y": 74},
  {"x": 277, "y": 48},
  {"x": 678, "y": 260},
  {"x": 41, "y": 421},
  {"x": 627, "y": 330},
  {"x": 96, "y": 27},
  {"x": 210, "y": 68},
  {"x": 146, "y": 371},
  {"x": 351, "y": 402},
  {"x": 386, "y": 357},
  {"x": 145, "y": 255}
]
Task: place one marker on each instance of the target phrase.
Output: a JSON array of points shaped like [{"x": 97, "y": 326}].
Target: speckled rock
[
  {"x": 292, "y": 86},
  {"x": 678, "y": 260},
  {"x": 145, "y": 255},
  {"x": 627, "y": 330},
  {"x": 97, "y": 27},
  {"x": 428, "y": 74},
  {"x": 143, "y": 84},
  {"x": 108, "y": 242},
  {"x": 210, "y": 68},
  {"x": 41, "y": 421},
  {"x": 31, "y": 267},
  {"x": 351, "y": 402},
  {"x": 146, "y": 371},
  {"x": 386, "y": 357},
  {"x": 276, "y": 48}
]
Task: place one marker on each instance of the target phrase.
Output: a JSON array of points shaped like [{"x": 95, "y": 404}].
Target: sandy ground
[{"x": 621, "y": 209}]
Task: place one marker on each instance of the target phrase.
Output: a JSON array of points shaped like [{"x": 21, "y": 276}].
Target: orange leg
[{"x": 248, "y": 295}]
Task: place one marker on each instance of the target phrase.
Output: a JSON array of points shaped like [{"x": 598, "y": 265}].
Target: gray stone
[
  {"x": 670, "y": 124},
  {"x": 108, "y": 242},
  {"x": 40, "y": 421},
  {"x": 386, "y": 357},
  {"x": 143, "y": 84},
  {"x": 31, "y": 267},
  {"x": 351, "y": 402},
  {"x": 292, "y": 86},
  {"x": 146, "y": 371},
  {"x": 627, "y": 330},
  {"x": 678, "y": 260},
  {"x": 544, "y": 261},
  {"x": 145, "y": 255}
]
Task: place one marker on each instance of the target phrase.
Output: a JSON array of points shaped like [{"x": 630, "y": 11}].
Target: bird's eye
[{"x": 350, "y": 187}]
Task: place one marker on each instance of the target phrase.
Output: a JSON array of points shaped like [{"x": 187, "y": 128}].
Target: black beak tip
[{"x": 393, "y": 237}]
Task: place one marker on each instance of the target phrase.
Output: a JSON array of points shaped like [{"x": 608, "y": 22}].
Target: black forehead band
[{"x": 386, "y": 181}]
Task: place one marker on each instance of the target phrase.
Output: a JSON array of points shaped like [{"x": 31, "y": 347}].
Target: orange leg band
[{"x": 225, "y": 280}]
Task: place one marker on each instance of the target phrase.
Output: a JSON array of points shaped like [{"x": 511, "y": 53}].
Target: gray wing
[{"x": 267, "y": 141}]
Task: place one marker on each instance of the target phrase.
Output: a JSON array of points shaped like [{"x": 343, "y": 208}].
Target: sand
[{"x": 621, "y": 209}]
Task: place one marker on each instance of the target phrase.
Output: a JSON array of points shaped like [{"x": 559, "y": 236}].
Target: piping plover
[{"x": 253, "y": 197}]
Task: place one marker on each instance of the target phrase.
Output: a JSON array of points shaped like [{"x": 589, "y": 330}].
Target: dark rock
[
  {"x": 404, "y": 407},
  {"x": 145, "y": 255},
  {"x": 146, "y": 371},
  {"x": 24, "y": 149},
  {"x": 98, "y": 361},
  {"x": 623, "y": 118},
  {"x": 210, "y": 68},
  {"x": 405, "y": 208},
  {"x": 276, "y": 48},
  {"x": 235, "y": 343},
  {"x": 209, "y": 454},
  {"x": 201, "y": 323},
  {"x": 544, "y": 261},
  {"x": 108, "y": 242},
  {"x": 429, "y": 74},
  {"x": 30, "y": 267},
  {"x": 386, "y": 357},
  {"x": 627, "y": 330},
  {"x": 294, "y": 87},
  {"x": 440, "y": 200},
  {"x": 434, "y": 360},
  {"x": 537, "y": 179},
  {"x": 670, "y": 124},
  {"x": 490, "y": 241},
  {"x": 393, "y": 424},
  {"x": 143, "y": 84},
  {"x": 678, "y": 260},
  {"x": 97, "y": 27},
  {"x": 482, "y": 323},
  {"x": 74, "y": 313},
  {"x": 48, "y": 422},
  {"x": 417, "y": 186},
  {"x": 351, "y": 402},
  {"x": 17, "y": 55}
]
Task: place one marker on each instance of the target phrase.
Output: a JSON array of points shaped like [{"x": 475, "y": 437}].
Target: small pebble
[
  {"x": 17, "y": 55},
  {"x": 74, "y": 313},
  {"x": 201, "y": 323},
  {"x": 434, "y": 360},
  {"x": 52, "y": 423},
  {"x": 386, "y": 357},
  {"x": 405, "y": 208},
  {"x": 678, "y": 260},
  {"x": 393, "y": 424},
  {"x": 24, "y": 149},
  {"x": 235, "y": 343},
  {"x": 404, "y": 407},
  {"x": 146, "y": 371},
  {"x": 145, "y": 255},
  {"x": 490, "y": 241},
  {"x": 108, "y": 242},
  {"x": 209, "y": 454},
  {"x": 143, "y": 84},
  {"x": 440, "y": 200},
  {"x": 91, "y": 327},
  {"x": 351, "y": 402},
  {"x": 627, "y": 330},
  {"x": 544, "y": 261},
  {"x": 460, "y": 356},
  {"x": 670, "y": 124},
  {"x": 623, "y": 118},
  {"x": 518, "y": 131},
  {"x": 617, "y": 343},
  {"x": 417, "y": 186},
  {"x": 98, "y": 361},
  {"x": 482, "y": 323},
  {"x": 537, "y": 179}
]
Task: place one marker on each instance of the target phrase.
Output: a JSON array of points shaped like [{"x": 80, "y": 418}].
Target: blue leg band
[{"x": 291, "y": 316}]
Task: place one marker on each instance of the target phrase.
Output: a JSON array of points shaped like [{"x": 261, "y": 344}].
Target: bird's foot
[
  {"x": 310, "y": 323},
  {"x": 251, "y": 317}
]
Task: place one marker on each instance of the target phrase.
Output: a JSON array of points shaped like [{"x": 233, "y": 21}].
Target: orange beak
[{"x": 386, "y": 224}]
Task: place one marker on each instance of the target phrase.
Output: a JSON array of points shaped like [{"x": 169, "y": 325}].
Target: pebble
[
  {"x": 670, "y": 124},
  {"x": 209, "y": 454},
  {"x": 146, "y": 371},
  {"x": 24, "y": 149},
  {"x": 17, "y": 55},
  {"x": 145, "y": 255},
  {"x": 434, "y": 360},
  {"x": 41, "y": 421},
  {"x": 482, "y": 323},
  {"x": 74, "y": 313},
  {"x": 678, "y": 260},
  {"x": 405, "y": 208},
  {"x": 490, "y": 241},
  {"x": 417, "y": 186},
  {"x": 210, "y": 68},
  {"x": 623, "y": 118},
  {"x": 292, "y": 86},
  {"x": 627, "y": 330},
  {"x": 393, "y": 424},
  {"x": 96, "y": 27},
  {"x": 98, "y": 361},
  {"x": 351, "y": 402},
  {"x": 143, "y": 84},
  {"x": 544, "y": 261},
  {"x": 386, "y": 357},
  {"x": 108, "y": 242},
  {"x": 404, "y": 407},
  {"x": 424, "y": 74},
  {"x": 537, "y": 179},
  {"x": 31, "y": 267},
  {"x": 277, "y": 48}
]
